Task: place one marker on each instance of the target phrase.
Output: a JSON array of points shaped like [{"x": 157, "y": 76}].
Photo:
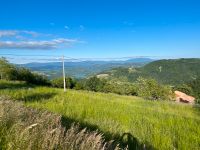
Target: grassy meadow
[
  {"x": 25, "y": 128},
  {"x": 130, "y": 120}
]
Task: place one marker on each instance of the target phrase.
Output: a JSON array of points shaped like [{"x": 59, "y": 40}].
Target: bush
[
  {"x": 32, "y": 78},
  {"x": 146, "y": 88},
  {"x": 11, "y": 72},
  {"x": 152, "y": 90},
  {"x": 120, "y": 88},
  {"x": 195, "y": 85},
  {"x": 184, "y": 88},
  {"x": 94, "y": 84},
  {"x": 80, "y": 85},
  {"x": 58, "y": 82},
  {"x": 192, "y": 88},
  {"x": 7, "y": 70}
]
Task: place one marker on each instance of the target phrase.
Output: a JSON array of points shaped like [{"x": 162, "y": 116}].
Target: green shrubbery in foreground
[
  {"x": 129, "y": 120},
  {"x": 25, "y": 128}
]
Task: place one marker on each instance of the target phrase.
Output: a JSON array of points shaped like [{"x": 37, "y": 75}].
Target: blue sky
[{"x": 101, "y": 28}]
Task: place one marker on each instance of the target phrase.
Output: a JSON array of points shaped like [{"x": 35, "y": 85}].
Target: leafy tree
[
  {"x": 70, "y": 83},
  {"x": 7, "y": 70},
  {"x": 185, "y": 88},
  {"x": 121, "y": 88},
  {"x": 195, "y": 85},
  {"x": 58, "y": 82},
  {"x": 11, "y": 72},
  {"x": 80, "y": 84},
  {"x": 94, "y": 84},
  {"x": 151, "y": 89},
  {"x": 191, "y": 88}
]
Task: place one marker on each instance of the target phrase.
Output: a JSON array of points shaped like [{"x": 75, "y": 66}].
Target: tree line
[
  {"x": 10, "y": 71},
  {"x": 147, "y": 88}
]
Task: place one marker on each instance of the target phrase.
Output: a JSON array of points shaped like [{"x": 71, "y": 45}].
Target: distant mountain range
[
  {"x": 168, "y": 71},
  {"x": 82, "y": 69}
]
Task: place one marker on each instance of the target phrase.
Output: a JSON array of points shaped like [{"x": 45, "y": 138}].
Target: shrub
[
  {"x": 184, "y": 88},
  {"x": 11, "y": 72},
  {"x": 32, "y": 78},
  {"x": 195, "y": 85},
  {"x": 191, "y": 88},
  {"x": 121, "y": 88},
  {"x": 58, "y": 82},
  {"x": 7, "y": 70},
  {"x": 94, "y": 84},
  {"x": 80, "y": 85},
  {"x": 152, "y": 90}
]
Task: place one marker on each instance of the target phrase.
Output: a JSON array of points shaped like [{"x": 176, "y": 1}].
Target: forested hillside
[{"x": 171, "y": 71}]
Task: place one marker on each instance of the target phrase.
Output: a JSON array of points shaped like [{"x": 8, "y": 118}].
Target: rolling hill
[
  {"x": 169, "y": 71},
  {"x": 82, "y": 69}
]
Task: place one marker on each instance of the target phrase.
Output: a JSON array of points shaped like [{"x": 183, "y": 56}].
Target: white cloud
[
  {"x": 24, "y": 39},
  {"x": 37, "y": 45},
  {"x": 32, "y": 33},
  {"x": 17, "y": 33},
  {"x": 8, "y": 33}
]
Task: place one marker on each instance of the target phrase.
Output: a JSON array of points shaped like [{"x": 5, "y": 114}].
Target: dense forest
[{"x": 172, "y": 71}]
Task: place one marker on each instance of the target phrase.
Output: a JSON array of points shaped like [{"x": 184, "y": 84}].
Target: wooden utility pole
[{"x": 64, "y": 81}]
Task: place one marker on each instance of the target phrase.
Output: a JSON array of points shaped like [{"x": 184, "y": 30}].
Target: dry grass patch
[{"x": 26, "y": 128}]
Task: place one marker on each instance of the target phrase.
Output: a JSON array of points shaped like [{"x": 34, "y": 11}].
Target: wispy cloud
[
  {"x": 37, "y": 45},
  {"x": 32, "y": 33},
  {"x": 24, "y": 39},
  {"x": 8, "y": 33},
  {"x": 17, "y": 33}
]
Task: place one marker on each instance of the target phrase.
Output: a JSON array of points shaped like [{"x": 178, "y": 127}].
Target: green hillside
[
  {"x": 127, "y": 119},
  {"x": 171, "y": 71}
]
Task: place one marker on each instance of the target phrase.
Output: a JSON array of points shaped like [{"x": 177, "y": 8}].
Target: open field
[{"x": 131, "y": 120}]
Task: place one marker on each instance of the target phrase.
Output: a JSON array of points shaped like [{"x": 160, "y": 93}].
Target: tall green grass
[
  {"x": 130, "y": 120},
  {"x": 23, "y": 128}
]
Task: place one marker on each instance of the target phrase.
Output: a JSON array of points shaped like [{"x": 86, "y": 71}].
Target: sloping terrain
[
  {"x": 129, "y": 120},
  {"x": 172, "y": 71}
]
